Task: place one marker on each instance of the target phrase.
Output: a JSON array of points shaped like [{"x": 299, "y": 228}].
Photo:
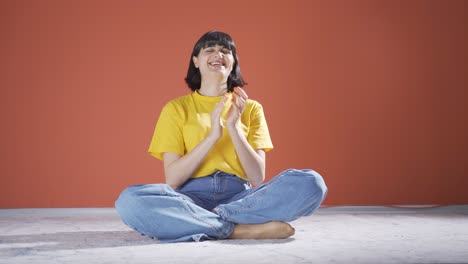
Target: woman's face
[{"x": 216, "y": 60}]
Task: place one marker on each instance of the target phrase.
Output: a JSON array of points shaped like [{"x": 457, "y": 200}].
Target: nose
[{"x": 219, "y": 54}]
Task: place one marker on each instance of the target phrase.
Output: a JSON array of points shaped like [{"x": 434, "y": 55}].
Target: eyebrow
[
  {"x": 211, "y": 45},
  {"x": 222, "y": 47}
]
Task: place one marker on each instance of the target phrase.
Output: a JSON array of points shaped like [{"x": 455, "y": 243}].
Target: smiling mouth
[{"x": 216, "y": 63}]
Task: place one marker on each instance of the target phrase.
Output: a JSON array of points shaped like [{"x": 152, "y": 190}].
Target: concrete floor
[{"x": 332, "y": 235}]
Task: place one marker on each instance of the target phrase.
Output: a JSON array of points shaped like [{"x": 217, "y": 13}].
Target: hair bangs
[
  {"x": 214, "y": 38},
  {"x": 212, "y": 43}
]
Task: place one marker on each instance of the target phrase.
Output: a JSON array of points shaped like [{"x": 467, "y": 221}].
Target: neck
[{"x": 213, "y": 88}]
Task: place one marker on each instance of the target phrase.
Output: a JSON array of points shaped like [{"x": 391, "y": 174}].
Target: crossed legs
[{"x": 158, "y": 211}]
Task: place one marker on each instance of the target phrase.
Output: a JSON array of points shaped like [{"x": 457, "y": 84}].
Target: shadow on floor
[
  {"x": 23, "y": 244},
  {"x": 254, "y": 241}
]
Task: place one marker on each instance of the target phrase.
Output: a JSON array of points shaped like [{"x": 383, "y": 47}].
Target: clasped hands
[{"x": 239, "y": 98}]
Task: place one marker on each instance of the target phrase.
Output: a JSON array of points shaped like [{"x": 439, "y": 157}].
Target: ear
[{"x": 195, "y": 61}]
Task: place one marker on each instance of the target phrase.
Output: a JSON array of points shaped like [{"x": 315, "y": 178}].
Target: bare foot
[{"x": 270, "y": 230}]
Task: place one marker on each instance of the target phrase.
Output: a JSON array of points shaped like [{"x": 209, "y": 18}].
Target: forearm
[
  {"x": 252, "y": 162},
  {"x": 180, "y": 170}
]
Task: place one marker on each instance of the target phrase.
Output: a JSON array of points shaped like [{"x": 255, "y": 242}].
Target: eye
[{"x": 226, "y": 51}]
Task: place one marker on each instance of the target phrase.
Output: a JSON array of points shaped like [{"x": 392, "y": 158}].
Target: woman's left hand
[{"x": 239, "y": 98}]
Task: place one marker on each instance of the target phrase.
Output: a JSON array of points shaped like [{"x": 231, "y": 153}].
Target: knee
[
  {"x": 137, "y": 196},
  {"x": 127, "y": 199},
  {"x": 318, "y": 183},
  {"x": 309, "y": 182}
]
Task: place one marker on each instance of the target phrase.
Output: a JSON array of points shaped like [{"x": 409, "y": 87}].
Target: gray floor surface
[{"x": 331, "y": 235}]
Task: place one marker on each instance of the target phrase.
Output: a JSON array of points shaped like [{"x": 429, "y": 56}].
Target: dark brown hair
[{"x": 211, "y": 39}]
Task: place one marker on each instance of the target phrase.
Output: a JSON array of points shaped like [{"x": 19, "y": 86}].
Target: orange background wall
[{"x": 371, "y": 94}]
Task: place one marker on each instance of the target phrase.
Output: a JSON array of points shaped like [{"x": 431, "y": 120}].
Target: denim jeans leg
[
  {"x": 156, "y": 210},
  {"x": 288, "y": 196}
]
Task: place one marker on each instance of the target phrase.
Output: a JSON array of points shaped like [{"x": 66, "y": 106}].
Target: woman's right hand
[
  {"x": 178, "y": 169},
  {"x": 216, "y": 122}
]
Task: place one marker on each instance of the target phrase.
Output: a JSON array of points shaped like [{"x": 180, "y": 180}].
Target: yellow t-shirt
[{"x": 184, "y": 122}]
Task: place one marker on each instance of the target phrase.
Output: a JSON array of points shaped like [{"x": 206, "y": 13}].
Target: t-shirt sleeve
[
  {"x": 167, "y": 136},
  {"x": 259, "y": 136}
]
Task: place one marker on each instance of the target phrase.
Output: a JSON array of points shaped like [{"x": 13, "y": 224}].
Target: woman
[{"x": 213, "y": 143}]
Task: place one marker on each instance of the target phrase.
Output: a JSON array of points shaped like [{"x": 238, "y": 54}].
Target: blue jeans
[{"x": 209, "y": 207}]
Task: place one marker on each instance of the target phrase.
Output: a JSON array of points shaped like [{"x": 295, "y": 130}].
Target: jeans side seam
[
  {"x": 194, "y": 215},
  {"x": 254, "y": 202}
]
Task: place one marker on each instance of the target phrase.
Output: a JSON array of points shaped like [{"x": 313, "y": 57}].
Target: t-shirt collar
[{"x": 205, "y": 98}]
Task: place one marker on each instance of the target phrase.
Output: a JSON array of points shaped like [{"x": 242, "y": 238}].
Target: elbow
[
  {"x": 172, "y": 184},
  {"x": 171, "y": 181},
  {"x": 256, "y": 183},
  {"x": 260, "y": 177},
  {"x": 257, "y": 179}
]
